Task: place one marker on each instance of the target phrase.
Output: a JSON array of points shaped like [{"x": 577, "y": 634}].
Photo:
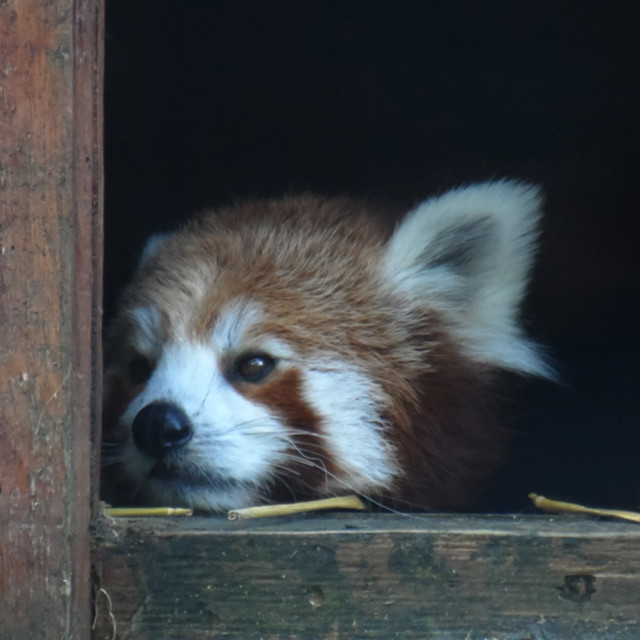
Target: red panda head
[{"x": 296, "y": 348}]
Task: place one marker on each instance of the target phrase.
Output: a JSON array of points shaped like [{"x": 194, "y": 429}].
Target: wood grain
[
  {"x": 371, "y": 576},
  {"x": 50, "y": 275}
]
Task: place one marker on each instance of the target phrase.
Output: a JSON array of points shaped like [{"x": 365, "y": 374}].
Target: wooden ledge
[{"x": 369, "y": 576}]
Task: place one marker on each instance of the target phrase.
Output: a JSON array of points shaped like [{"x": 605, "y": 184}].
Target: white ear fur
[
  {"x": 468, "y": 254},
  {"x": 152, "y": 245}
]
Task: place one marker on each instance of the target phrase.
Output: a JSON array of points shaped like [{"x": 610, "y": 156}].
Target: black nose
[{"x": 161, "y": 427}]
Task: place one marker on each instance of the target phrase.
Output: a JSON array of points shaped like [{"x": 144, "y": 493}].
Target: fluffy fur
[{"x": 298, "y": 347}]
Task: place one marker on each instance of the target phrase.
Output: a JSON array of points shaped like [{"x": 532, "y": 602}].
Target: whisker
[
  {"x": 289, "y": 471},
  {"x": 313, "y": 462},
  {"x": 206, "y": 395}
]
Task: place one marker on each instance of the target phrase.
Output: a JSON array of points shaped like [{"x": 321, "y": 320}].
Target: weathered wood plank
[
  {"x": 371, "y": 576},
  {"x": 50, "y": 278}
]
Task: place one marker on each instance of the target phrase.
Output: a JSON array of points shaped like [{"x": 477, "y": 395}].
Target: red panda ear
[
  {"x": 468, "y": 254},
  {"x": 152, "y": 245}
]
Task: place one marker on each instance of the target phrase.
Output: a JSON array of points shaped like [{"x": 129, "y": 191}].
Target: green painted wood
[{"x": 369, "y": 576}]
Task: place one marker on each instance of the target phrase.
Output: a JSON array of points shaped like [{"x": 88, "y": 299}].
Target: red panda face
[
  {"x": 221, "y": 420},
  {"x": 295, "y": 348}
]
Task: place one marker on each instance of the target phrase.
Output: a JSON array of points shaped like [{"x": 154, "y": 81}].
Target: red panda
[{"x": 299, "y": 347}]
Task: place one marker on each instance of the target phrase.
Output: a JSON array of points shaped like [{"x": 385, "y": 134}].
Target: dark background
[{"x": 207, "y": 101}]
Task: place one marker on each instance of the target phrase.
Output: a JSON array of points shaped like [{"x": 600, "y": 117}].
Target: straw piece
[
  {"x": 569, "y": 507},
  {"x": 344, "y": 502},
  {"x": 133, "y": 512}
]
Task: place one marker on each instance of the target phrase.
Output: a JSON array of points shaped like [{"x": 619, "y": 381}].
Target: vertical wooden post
[{"x": 50, "y": 285}]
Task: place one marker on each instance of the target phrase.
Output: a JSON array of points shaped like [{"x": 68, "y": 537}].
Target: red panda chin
[{"x": 298, "y": 348}]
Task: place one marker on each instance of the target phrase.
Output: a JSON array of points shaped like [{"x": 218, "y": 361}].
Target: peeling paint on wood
[
  {"x": 50, "y": 248},
  {"x": 371, "y": 576}
]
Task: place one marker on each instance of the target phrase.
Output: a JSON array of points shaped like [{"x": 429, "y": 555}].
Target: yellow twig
[
  {"x": 345, "y": 502},
  {"x": 133, "y": 512},
  {"x": 569, "y": 507}
]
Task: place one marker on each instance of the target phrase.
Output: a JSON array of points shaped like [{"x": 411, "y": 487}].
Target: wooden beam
[
  {"x": 380, "y": 576},
  {"x": 50, "y": 282}
]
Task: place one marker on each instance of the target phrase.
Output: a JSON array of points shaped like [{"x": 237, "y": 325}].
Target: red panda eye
[
  {"x": 140, "y": 369},
  {"x": 253, "y": 367}
]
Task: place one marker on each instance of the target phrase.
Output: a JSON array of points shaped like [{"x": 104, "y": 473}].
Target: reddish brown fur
[
  {"x": 448, "y": 439},
  {"x": 322, "y": 293},
  {"x": 284, "y": 396}
]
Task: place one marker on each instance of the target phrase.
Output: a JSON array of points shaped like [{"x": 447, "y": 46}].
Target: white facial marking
[
  {"x": 231, "y": 333},
  {"x": 347, "y": 402},
  {"x": 233, "y": 439},
  {"x": 147, "y": 335},
  {"x": 233, "y": 324},
  {"x": 241, "y": 444}
]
